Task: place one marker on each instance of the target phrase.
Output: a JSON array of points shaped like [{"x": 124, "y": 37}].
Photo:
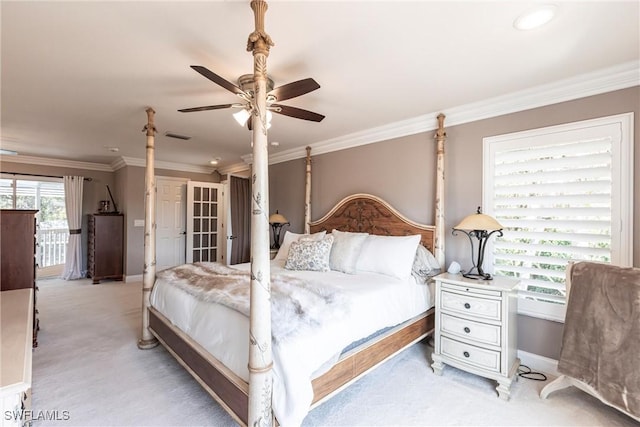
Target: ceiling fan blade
[
  {"x": 291, "y": 90},
  {"x": 217, "y": 79},
  {"x": 207, "y": 108},
  {"x": 298, "y": 113}
]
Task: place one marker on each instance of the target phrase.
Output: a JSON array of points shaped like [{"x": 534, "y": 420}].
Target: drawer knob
[
  {"x": 467, "y": 305},
  {"x": 466, "y": 354},
  {"x": 466, "y": 329}
]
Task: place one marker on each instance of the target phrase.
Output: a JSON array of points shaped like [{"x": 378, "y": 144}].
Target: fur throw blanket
[
  {"x": 601, "y": 340},
  {"x": 297, "y": 306}
]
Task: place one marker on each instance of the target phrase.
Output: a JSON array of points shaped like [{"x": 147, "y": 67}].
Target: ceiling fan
[{"x": 245, "y": 91}]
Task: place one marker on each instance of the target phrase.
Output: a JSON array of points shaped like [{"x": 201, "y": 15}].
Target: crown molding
[
  {"x": 235, "y": 168},
  {"x": 622, "y": 76},
  {"x": 159, "y": 164},
  {"x": 43, "y": 161}
]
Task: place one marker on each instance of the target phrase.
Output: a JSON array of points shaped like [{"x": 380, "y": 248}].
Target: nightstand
[{"x": 476, "y": 328}]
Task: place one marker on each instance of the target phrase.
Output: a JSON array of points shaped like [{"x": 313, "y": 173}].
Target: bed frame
[
  {"x": 250, "y": 403},
  {"x": 360, "y": 212}
]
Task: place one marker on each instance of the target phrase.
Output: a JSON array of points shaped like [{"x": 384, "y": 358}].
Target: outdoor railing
[{"x": 52, "y": 245}]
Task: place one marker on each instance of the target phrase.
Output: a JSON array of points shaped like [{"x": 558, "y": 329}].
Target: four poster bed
[{"x": 336, "y": 302}]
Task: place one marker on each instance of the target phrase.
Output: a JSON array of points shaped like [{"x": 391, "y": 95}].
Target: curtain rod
[{"x": 42, "y": 176}]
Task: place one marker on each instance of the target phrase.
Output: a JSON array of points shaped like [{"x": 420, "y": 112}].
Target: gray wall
[
  {"x": 130, "y": 180},
  {"x": 401, "y": 171}
]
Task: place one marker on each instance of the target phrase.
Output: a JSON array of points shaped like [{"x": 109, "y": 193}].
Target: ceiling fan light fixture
[
  {"x": 535, "y": 18},
  {"x": 242, "y": 116}
]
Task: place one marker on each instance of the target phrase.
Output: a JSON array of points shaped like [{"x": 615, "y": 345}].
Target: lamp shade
[
  {"x": 242, "y": 116},
  {"x": 277, "y": 218},
  {"x": 479, "y": 221}
]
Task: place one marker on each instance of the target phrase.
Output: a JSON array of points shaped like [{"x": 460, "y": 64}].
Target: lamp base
[{"x": 485, "y": 276}]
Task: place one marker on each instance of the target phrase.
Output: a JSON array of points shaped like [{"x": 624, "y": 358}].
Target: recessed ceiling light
[
  {"x": 215, "y": 161},
  {"x": 535, "y": 18},
  {"x": 275, "y": 144}
]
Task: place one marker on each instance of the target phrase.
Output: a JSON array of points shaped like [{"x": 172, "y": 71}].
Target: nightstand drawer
[
  {"x": 480, "y": 357},
  {"x": 469, "y": 330},
  {"x": 471, "y": 306}
]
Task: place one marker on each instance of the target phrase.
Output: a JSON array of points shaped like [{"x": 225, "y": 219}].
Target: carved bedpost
[
  {"x": 260, "y": 356},
  {"x": 441, "y": 136},
  {"x": 307, "y": 194},
  {"x": 147, "y": 340}
]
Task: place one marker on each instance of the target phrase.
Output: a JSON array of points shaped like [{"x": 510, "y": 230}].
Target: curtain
[
  {"x": 73, "y": 205},
  {"x": 240, "y": 195}
]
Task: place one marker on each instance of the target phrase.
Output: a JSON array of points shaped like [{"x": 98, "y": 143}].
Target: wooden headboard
[{"x": 364, "y": 213}]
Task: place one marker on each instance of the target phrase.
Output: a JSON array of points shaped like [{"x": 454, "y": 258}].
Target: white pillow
[
  {"x": 425, "y": 265},
  {"x": 390, "y": 255},
  {"x": 308, "y": 254},
  {"x": 289, "y": 237},
  {"x": 346, "y": 250}
]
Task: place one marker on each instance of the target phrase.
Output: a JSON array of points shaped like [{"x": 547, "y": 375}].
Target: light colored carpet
[{"x": 88, "y": 364}]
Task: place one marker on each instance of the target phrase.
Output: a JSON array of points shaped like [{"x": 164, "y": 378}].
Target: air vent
[{"x": 177, "y": 136}]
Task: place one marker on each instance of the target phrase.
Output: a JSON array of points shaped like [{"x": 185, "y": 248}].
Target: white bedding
[{"x": 376, "y": 301}]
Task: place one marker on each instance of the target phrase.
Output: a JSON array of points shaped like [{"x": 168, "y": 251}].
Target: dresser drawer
[
  {"x": 471, "y": 306},
  {"x": 472, "y": 355},
  {"x": 470, "y": 330}
]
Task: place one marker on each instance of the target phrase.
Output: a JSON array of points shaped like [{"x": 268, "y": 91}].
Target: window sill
[{"x": 542, "y": 310}]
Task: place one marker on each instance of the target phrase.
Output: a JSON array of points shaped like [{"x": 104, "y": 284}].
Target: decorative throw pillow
[
  {"x": 307, "y": 254},
  {"x": 346, "y": 250},
  {"x": 390, "y": 255},
  {"x": 291, "y": 237},
  {"x": 425, "y": 265}
]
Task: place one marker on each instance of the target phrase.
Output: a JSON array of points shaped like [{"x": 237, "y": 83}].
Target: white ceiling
[{"x": 77, "y": 76}]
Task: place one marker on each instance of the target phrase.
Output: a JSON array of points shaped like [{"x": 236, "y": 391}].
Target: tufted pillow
[
  {"x": 390, "y": 255},
  {"x": 291, "y": 237},
  {"x": 346, "y": 250},
  {"x": 307, "y": 254}
]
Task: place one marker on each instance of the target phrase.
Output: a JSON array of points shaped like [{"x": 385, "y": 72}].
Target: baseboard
[
  {"x": 539, "y": 363},
  {"x": 131, "y": 279}
]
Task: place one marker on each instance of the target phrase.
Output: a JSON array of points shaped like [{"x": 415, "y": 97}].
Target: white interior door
[
  {"x": 205, "y": 217},
  {"x": 171, "y": 206}
]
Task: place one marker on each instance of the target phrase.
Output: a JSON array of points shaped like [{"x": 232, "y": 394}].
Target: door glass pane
[
  {"x": 196, "y": 194},
  {"x": 214, "y": 210},
  {"x": 212, "y": 253},
  {"x": 214, "y": 195},
  {"x": 205, "y": 255},
  {"x": 205, "y": 194},
  {"x": 214, "y": 238},
  {"x": 205, "y": 240},
  {"x": 196, "y": 255},
  {"x": 196, "y": 241},
  {"x": 205, "y": 209},
  {"x": 205, "y": 225},
  {"x": 196, "y": 209},
  {"x": 196, "y": 225}
]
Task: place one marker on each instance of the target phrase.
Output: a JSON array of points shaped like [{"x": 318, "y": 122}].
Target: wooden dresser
[
  {"x": 18, "y": 249},
  {"x": 106, "y": 247}
]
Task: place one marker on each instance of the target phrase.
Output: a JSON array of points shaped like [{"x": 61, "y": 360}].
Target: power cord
[{"x": 525, "y": 372}]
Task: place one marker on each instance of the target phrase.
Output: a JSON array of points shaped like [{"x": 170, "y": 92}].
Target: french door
[{"x": 205, "y": 214}]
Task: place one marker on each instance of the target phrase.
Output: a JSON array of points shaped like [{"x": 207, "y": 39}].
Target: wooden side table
[{"x": 476, "y": 328}]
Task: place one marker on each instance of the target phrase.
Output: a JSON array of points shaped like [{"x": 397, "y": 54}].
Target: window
[
  {"x": 48, "y": 198},
  {"x": 562, "y": 193}
]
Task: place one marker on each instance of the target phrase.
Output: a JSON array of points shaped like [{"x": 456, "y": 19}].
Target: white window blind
[{"x": 561, "y": 196}]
